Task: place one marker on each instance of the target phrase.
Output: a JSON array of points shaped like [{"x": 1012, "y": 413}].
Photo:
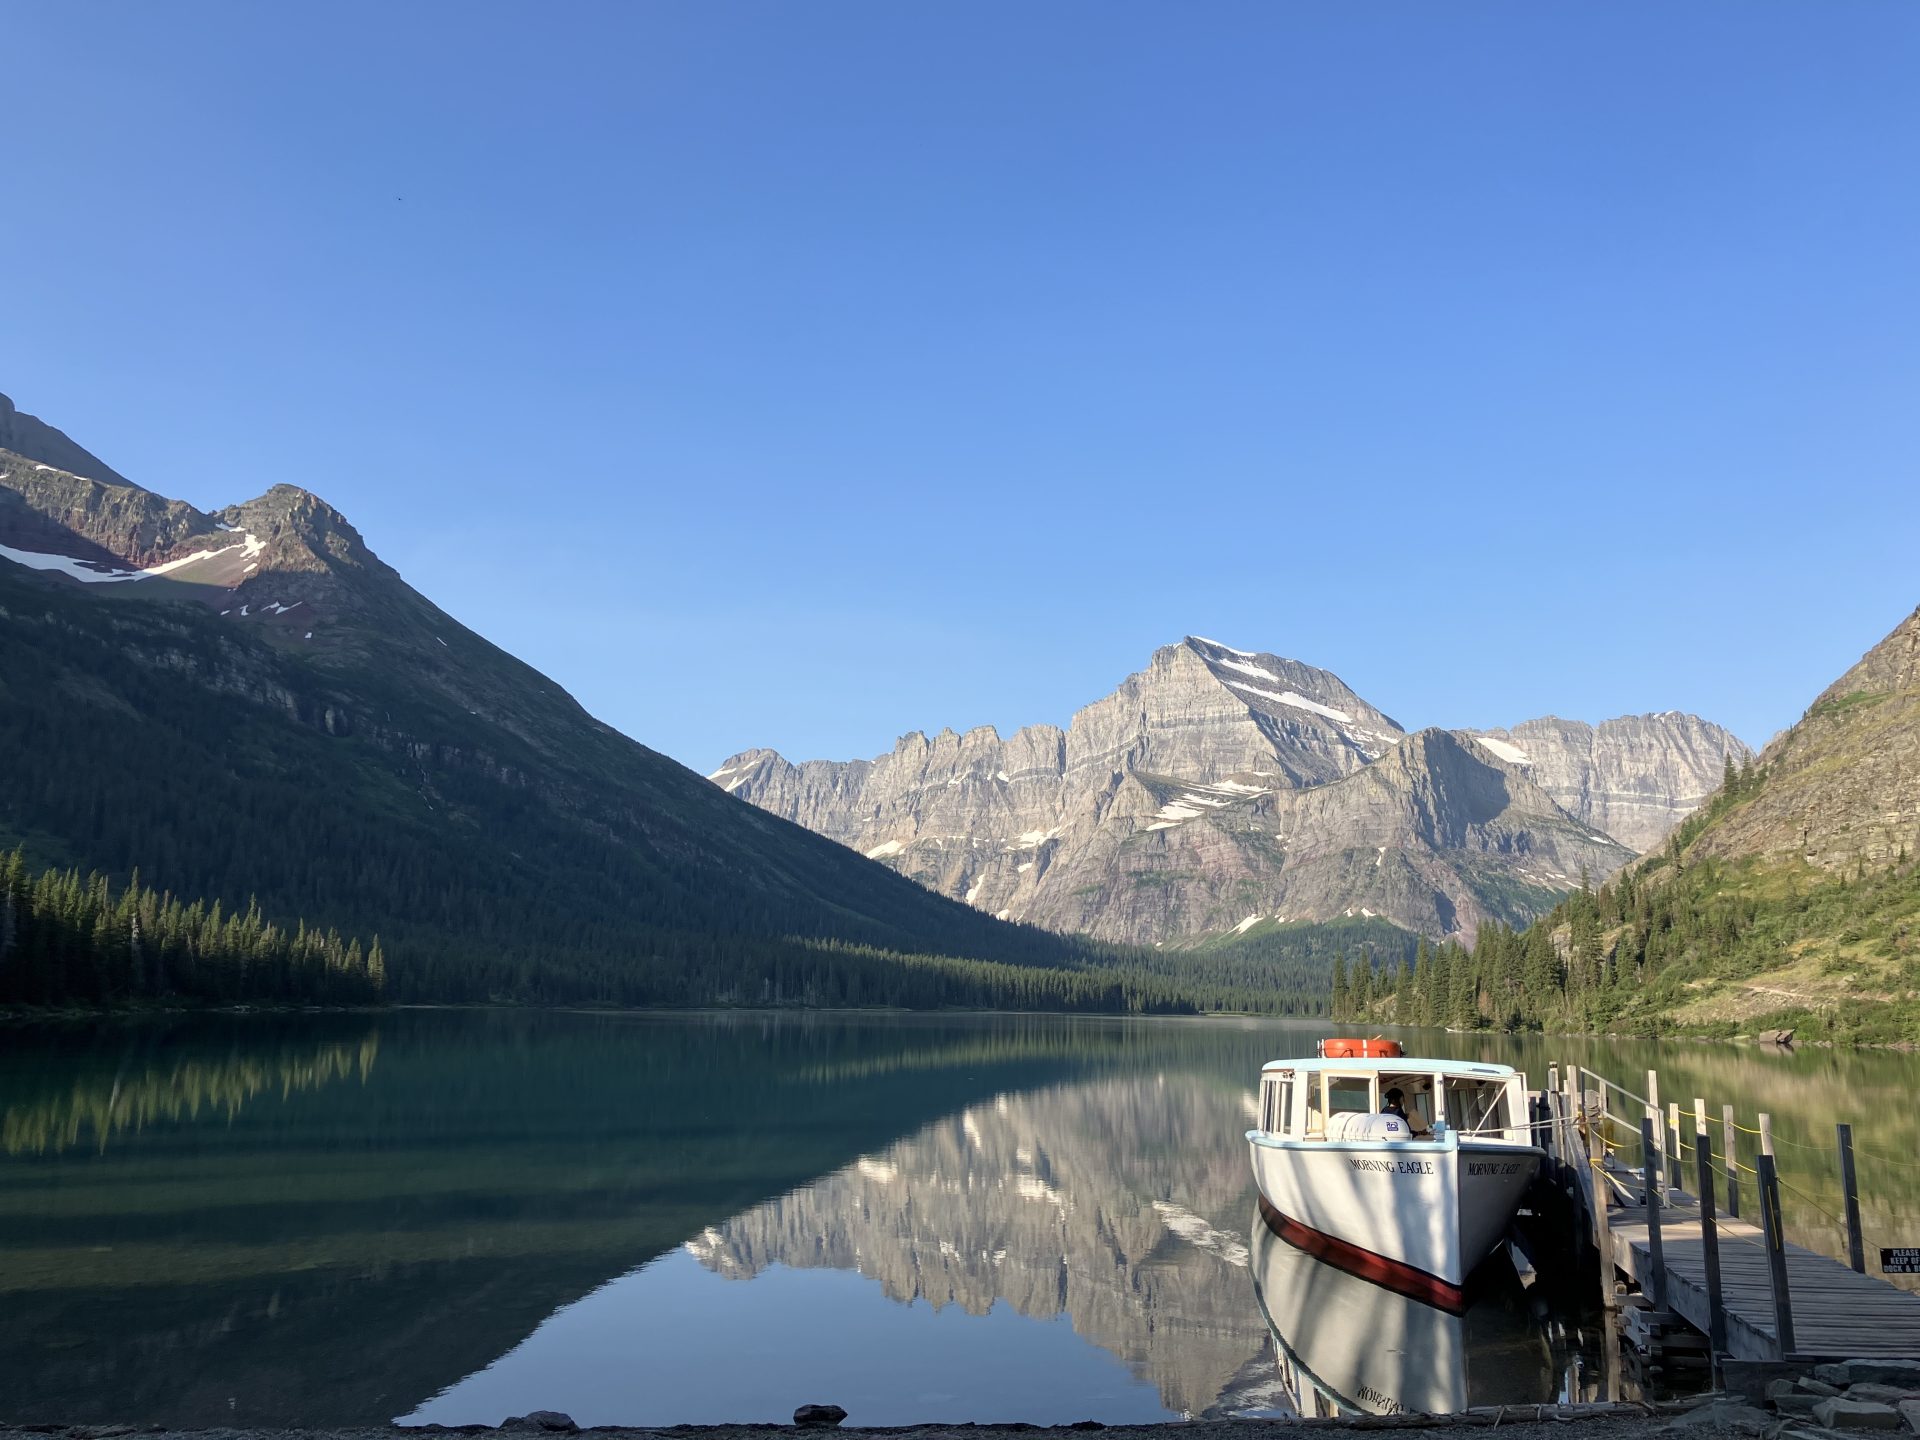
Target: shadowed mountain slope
[{"x": 249, "y": 702}]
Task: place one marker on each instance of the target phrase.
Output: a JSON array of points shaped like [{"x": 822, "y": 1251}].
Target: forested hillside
[
  {"x": 1791, "y": 901},
  {"x": 374, "y": 767}
]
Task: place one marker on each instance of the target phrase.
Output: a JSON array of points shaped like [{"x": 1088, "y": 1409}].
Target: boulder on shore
[
  {"x": 1871, "y": 1372},
  {"x": 1837, "y": 1412}
]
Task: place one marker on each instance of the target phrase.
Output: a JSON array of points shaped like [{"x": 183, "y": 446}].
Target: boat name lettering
[
  {"x": 1382, "y": 1404},
  {"x": 1392, "y": 1167},
  {"x": 1494, "y": 1167}
]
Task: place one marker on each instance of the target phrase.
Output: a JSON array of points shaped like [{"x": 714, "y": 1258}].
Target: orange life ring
[{"x": 1374, "y": 1049}]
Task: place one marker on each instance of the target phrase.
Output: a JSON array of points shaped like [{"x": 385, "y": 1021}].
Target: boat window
[
  {"x": 1476, "y": 1105},
  {"x": 1267, "y": 1093},
  {"x": 1416, "y": 1094},
  {"x": 1285, "y": 1107},
  {"x": 1349, "y": 1095}
]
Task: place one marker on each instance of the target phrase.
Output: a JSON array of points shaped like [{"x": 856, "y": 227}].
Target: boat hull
[{"x": 1416, "y": 1216}]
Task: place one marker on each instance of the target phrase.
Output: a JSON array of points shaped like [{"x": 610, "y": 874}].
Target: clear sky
[{"x": 803, "y": 373}]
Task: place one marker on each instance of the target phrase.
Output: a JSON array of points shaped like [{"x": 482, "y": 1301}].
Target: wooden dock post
[
  {"x": 1674, "y": 1171},
  {"x": 1773, "y": 1233},
  {"x": 1653, "y": 1097},
  {"x": 1650, "y": 1183},
  {"x": 1856, "y": 1252},
  {"x": 1733, "y": 1161},
  {"x": 1709, "y": 1240},
  {"x": 1598, "y": 1189}
]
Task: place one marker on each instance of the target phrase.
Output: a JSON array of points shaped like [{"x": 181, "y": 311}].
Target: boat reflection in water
[{"x": 1348, "y": 1345}]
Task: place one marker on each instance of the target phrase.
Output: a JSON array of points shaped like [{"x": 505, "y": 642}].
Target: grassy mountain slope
[
  {"x": 1792, "y": 900},
  {"x": 1841, "y": 789}
]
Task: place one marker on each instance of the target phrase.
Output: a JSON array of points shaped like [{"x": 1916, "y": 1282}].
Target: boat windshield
[
  {"x": 1416, "y": 1098},
  {"x": 1477, "y": 1107}
]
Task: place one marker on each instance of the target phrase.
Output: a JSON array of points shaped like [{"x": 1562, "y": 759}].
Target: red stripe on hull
[{"x": 1395, "y": 1275}]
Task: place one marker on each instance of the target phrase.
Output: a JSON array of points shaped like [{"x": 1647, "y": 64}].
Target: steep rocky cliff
[
  {"x": 1840, "y": 789},
  {"x": 1223, "y": 789},
  {"x": 1633, "y": 778}
]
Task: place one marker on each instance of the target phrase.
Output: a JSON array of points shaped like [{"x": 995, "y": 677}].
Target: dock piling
[
  {"x": 1599, "y": 1193},
  {"x": 1729, "y": 1130},
  {"x": 1856, "y": 1251},
  {"x": 1773, "y": 1233},
  {"x": 1650, "y": 1184},
  {"x": 1673, "y": 1170},
  {"x": 1709, "y": 1240}
]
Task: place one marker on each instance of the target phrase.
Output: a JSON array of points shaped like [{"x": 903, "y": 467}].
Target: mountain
[
  {"x": 1791, "y": 900},
  {"x": 32, "y": 439},
  {"x": 1633, "y": 778},
  {"x": 1225, "y": 790},
  {"x": 1842, "y": 787},
  {"x": 248, "y": 702}
]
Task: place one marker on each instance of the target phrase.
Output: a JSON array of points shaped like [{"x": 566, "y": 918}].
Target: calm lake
[{"x": 458, "y": 1216}]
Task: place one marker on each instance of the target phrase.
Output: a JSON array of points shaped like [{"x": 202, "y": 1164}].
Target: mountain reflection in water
[{"x": 1086, "y": 1205}]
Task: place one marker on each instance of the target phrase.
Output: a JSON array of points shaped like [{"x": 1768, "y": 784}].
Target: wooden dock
[
  {"x": 1834, "y": 1312},
  {"x": 1837, "y": 1314}
]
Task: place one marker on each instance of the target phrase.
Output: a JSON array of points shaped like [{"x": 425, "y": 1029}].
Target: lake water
[{"x": 457, "y": 1216}]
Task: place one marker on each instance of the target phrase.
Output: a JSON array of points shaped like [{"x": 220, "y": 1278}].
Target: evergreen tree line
[
  {"x": 68, "y": 939},
  {"x": 1507, "y": 981}
]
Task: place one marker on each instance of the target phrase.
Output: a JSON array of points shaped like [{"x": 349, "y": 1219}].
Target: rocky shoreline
[
  {"x": 1830, "y": 1402},
  {"x": 1522, "y": 1422}
]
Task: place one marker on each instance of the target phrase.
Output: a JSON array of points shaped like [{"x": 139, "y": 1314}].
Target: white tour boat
[{"x": 1415, "y": 1203}]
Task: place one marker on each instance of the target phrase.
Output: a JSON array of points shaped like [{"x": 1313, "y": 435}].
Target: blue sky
[{"x": 800, "y": 374}]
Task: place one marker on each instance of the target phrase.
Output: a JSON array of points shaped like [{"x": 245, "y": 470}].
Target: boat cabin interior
[{"x": 1295, "y": 1103}]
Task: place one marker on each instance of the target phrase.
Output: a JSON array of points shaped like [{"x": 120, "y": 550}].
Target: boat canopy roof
[{"x": 1398, "y": 1065}]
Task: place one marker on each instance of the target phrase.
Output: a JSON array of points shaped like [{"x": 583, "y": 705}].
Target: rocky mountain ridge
[
  {"x": 1633, "y": 777},
  {"x": 1841, "y": 788},
  {"x": 1225, "y": 790}
]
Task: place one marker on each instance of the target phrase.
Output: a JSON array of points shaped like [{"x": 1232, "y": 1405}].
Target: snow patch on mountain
[
  {"x": 1258, "y": 672},
  {"x": 1196, "y": 1231},
  {"x": 89, "y": 572},
  {"x": 1506, "y": 750},
  {"x": 1243, "y": 654},
  {"x": 1295, "y": 699}
]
